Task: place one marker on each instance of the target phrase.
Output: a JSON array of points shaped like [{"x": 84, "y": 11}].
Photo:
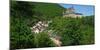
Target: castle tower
[{"x": 70, "y": 10}]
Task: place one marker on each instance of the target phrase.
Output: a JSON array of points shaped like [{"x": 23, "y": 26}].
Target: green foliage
[
  {"x": 22, "y": 17},
  {"x": 87, "y": 35},
  {"x": 67, "y": 28},
  {"x": 74, "y": 31},
  {"x": 43, "y": 40},
  {"x": 19, "y": 8},
  {"x": 90, "y": 20},
  {"x": 47, "y": 11},
  {"x": 21, "y": 36}
]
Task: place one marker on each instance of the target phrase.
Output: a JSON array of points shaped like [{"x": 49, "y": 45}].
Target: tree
[
  {"x": 20, "y": 33},
  {"x": 21, "y": 9},
  {"x": 21, "y": 36},
  {"x": 43, "y": 40}
]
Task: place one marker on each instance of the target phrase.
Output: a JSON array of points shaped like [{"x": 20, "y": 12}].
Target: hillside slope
[
  {"x": 47, "y": 10},
  {"x": 26, "y": 14}
]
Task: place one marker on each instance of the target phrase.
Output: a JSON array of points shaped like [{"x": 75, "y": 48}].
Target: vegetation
[{"x": 73, "y": 31}]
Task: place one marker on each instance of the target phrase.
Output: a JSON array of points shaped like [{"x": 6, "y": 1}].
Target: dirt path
[{"x": 57, "y": 42}]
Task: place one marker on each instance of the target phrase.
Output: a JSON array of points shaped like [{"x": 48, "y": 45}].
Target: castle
[{"x": 70, "y": 12}]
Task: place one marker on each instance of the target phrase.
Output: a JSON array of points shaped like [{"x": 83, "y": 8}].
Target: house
[
  {"x": 70, "y": 12},
  {"x": 40, "y": 26}
]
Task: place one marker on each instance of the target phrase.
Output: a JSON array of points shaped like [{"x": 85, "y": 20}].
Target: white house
[{"x": 40, "y": 26}]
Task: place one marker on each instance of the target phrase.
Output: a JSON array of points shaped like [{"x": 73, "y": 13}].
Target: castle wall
[{"x": 72, "y": 15}]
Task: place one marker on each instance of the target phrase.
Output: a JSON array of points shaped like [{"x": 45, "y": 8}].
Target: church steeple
[{"x": 72, "y": 9}]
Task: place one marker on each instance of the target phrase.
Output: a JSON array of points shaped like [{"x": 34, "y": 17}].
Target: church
[{"x": 70, "y": 12}]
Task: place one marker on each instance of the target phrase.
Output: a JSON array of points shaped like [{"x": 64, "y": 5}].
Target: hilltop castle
[{"x": 70, "y": 12}]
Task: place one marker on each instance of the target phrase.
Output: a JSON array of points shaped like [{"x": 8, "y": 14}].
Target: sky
[{"x": 86, "y": 10}]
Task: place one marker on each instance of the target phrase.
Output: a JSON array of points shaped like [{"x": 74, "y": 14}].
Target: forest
[{"x": 23, "y": 15}]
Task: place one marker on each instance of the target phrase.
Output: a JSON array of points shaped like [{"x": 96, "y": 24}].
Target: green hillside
[
  {"x": 47, "y": 9},
  {"x": 26, "y": 14},
  {"x": 23, "y": 15}
]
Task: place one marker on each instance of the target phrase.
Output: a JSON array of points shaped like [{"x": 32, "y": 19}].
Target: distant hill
[
  {"x": 47, "y": 10},
  {"x": 33, "y": 12}
]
